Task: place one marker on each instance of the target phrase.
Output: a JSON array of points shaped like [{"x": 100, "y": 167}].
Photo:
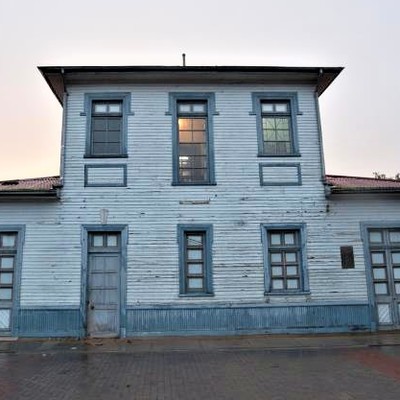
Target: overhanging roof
[{"x": 58, "y": 77}]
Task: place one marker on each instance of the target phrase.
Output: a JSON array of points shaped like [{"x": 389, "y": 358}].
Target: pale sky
[{"x": 359, "y": 111}]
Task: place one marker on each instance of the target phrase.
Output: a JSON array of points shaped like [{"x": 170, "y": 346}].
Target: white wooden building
[{"x": 194, "y": 200}]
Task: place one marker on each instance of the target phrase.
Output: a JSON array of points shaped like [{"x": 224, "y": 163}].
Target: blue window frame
[
  {"x": 11, "y": 242},
  {"x": 107, "y": 124},
  {"x": 276, "y": 115},
  {"x": 193, "y": 144},
  {"x": 285, "y": 266},
  {"x": 195, "y": 259}
]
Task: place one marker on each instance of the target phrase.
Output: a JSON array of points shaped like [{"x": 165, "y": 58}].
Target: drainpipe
[
  {"x": 63, "y": 128},
  {"x": 318, "y": 116}
]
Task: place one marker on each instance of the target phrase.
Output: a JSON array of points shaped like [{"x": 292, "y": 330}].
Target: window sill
[
  {"x": 196, "y": 294},
  {"x": 287, "y": 293},
  {"x": 279, "y": 155},
  {"x": 194, "y": 184},
  {"x": 106, "y": 156}
]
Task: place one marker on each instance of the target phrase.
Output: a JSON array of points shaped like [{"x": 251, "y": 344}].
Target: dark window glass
[
  {"x": 284, "y": 260},
  {"x": 106, "y": 135},
  {"x": 347, "y": 256}
]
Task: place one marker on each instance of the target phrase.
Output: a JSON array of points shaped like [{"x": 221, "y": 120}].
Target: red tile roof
[
  {"x": 47, "y": 184},
  {"x": 340, "y": 184}
]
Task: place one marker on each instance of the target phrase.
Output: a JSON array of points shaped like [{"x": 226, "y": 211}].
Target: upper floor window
[
  {"x": 193, "y": 158},
  {"x": 192, "y": 142},
  {"x": 276, "y": 123},
  {"x": 106, "y": 124},
  {"x": 285, "y": 261}
]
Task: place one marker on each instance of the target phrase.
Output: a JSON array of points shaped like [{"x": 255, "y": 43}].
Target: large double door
[{"x": 384, "y": 253}]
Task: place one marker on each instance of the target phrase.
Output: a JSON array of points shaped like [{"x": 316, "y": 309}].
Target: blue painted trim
[
  {"x": 125, "y": 97},
  {"x": 63, "y": 137},
  {"x": 291, "y": 97},
  {"x": 86, "y": 230},
  {"x": 174, "y": 97},
  {"x": 49, "y": 321},
  {"x": 240, "y": 319},
  {"x": 261, "y": 173},
  {"x": 364, "y": 227},
  {"x": 208, "y": 229},
  {"x": 302, "y": 228},
  {"x": 320, "y": 138},
  {"x": 15, "y": 305},
  {"x": 106, "y": 184}
]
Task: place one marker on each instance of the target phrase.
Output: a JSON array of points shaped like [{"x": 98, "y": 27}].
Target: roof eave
[
  {"x": 53, "y": 195},
  {"x": 55, "y": 75}
]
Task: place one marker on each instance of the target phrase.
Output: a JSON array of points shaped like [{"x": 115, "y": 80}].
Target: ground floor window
[
  {"x": 284, "y": 259},
  {"x": 195, "y": 243}
]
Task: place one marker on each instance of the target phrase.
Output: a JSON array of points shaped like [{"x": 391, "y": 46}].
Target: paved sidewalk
[
  {"x": 202, "y": 343},
  {"x": 326, "y": 367}
]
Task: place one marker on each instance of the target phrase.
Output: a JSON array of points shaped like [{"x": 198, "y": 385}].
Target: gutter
[{"x": 20, "y": 195}]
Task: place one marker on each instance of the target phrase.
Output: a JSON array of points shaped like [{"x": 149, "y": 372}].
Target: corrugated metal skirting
[{"x": 286, "y": 319}]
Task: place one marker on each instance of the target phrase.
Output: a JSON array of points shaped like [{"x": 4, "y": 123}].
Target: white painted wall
[{"x": 152, "y": 208}]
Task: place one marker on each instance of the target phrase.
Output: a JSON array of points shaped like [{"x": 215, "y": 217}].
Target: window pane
[
  {"x": 199, "y": 124},
  {"x": 275, "y": 238},
  {"x": 199, "y": 108},
  {"x": 379, "y": 273},
  {"x": 195, "y": 283},
  {"x": 185, "y": 124},
  {"x": 375, "y": 237},
  {"x": 277, "y": 271},
  {"x": 199, "y": 137},
  {"x": 100, "y": 108},
  {"x": 184, "y": 108},
  {"x": 267, "y": 107},
  {"x": 397, "y": 288},
  {"x": 289, "y": 238},
  {"x": 282, "y": 107},
  {"x": 195, "y": 269},
  {"x": 114, "y": 108},
  {"x": 384, "y": 316},
  {"x": 380, "y": 288},
  {"x": 396, "y": 273},
  {"x": 5, "y": 294},
  {"x": 6, "y": 278},
  {"x": 282, "y": 123},
  {"x": 277, "y": 284},
  {"x": 195, "y": 240},
  {"x": 97, "y": 241},
  {"x": 276, "y": 257},
  {"x": 378, "y": 258},
  {"x": 396, "y": 257},
  {"x": 195, "y": 254},
  {"x": 291, "y": 271},
  {"x": 112, "y": 240},
  {"x": 185, "y": 137},
  {"x": 9, "y": 240},
  {"x": 292, "y": 283},
  {"x": 291, "y": 257},
  {"x": 394, "y": 236},
  {"x": 7, "y": 262}
]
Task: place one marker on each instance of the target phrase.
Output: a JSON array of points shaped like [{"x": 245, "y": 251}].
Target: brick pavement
[{"x": 280, "y": 368}]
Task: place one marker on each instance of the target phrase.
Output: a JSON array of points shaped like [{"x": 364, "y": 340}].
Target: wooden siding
[{"x": 152, "y": 208}]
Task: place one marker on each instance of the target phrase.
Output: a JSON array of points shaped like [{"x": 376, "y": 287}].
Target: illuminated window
[{"x": 193, "y": 157}]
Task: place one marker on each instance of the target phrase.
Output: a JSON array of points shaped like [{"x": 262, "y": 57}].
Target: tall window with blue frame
[{"x": 193, "y": 154}]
